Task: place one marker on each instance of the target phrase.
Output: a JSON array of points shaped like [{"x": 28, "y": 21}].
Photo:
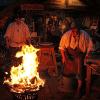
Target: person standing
[
  {"x": 17, "y": 35},
  {"x": 74, "y": 46}
]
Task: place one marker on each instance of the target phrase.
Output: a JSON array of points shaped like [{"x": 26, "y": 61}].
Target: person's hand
[{"x": 63, "y": 60}]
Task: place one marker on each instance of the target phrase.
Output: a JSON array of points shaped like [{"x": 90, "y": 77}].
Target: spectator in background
[
  {"x": 17, "y": 35},
  {"x": 64, "y": 26},
  {"x": 74, "y": 45}
]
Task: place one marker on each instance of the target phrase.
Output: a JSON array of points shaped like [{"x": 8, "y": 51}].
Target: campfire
[{"x": 25, "y": 77}]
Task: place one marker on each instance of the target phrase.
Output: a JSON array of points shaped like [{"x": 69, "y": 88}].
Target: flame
[{"x": 25, "y": 75}]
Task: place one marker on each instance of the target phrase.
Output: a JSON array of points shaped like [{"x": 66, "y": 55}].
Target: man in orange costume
[{"x": 74, "y": 46}]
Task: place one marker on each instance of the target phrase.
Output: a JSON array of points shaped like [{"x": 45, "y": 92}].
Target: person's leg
[
  {"x": 78, "y": 92},
  {"x": 80, "y": 83},
  {"x": 80, "y": 75}
]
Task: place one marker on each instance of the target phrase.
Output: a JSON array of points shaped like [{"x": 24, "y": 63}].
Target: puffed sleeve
[{"x": 63, "y": 42}]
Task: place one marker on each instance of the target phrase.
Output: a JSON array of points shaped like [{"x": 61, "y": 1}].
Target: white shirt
[
  {"x": 84, "y": 43},
  {"x": 17, "y": 34}
]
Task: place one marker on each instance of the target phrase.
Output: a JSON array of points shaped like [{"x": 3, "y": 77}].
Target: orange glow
[{"x": 25, "y": 75}]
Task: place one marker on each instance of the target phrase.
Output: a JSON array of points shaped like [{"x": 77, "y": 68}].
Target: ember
[{"x": 25, "y": 77}]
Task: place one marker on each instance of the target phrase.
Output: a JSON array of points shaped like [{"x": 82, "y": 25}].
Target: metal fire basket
[{"x": 26, "y": 95}]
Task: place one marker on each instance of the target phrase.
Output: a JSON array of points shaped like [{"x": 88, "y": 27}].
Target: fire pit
[
  {"x": 23, "y": 93},
  {"x": 24, "y": 81}
]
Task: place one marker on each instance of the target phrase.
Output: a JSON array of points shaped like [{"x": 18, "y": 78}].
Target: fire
[{"x": 25, "y": 76}]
